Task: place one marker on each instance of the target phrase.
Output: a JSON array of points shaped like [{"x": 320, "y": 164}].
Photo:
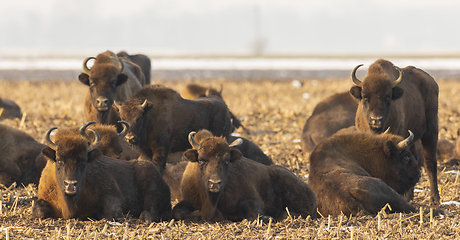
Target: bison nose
[
  {"x": 70, "y": 186},
  {"x": 214, "y": 185},
  {"x": 131, "y": 139},
  {"x": 376, "y": 121},
  {"x": 102, "y": 102}
]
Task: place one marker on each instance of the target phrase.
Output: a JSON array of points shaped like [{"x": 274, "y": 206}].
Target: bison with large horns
[
  {"x": 362, "y": 171},
  {"x": 110, "y": 79},
  {"x": 79, "y": 182},
  {"x": 222, "y": 184},
  {"x": 402, "y": 99}
]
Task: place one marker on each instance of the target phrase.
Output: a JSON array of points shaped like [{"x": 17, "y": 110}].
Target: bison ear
[
  {"x": 84, "y": 78},
  {"x": 235, "y": 154},
  {"x": 397, "y": 93},
  {"x": 122, "y": 78},
  {"x": 355, "y": 91},
  {"x": 191, "y": 155},
  {"x": 49, "y": 153}
]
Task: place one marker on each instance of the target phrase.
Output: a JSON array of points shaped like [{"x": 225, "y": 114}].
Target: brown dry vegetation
[{"x": 274, "y": 114}]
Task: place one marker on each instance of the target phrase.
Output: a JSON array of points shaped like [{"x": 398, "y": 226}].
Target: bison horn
[
  {"x": 387, "y": 131},
  {"x": 400, "y": 78},
  {"x": 144, "y": 104},
  {"x": 117, "y": 105},
  {"x": 85, "y": 66},
  {"x": 48, "y": 141},
  {"x": 83, "y": 130},
  {"x": 208, "y": 92},
  {"x": 406, "y": 142},
  {"x": 236, "y": 143},
  {"x": 356, "y": 81},
  {"x": 125, "y": 130},
  {"x": 96, "y": 141},
  {"x": 191, "y": 140},
  {"x": 121, "y": 65},
  {"x": 221, "y": 88}
]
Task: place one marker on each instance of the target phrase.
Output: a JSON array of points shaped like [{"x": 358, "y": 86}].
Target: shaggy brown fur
[
  {"x": 222, "y": 184},
  {"x": 329, "y": 116},
  {"x": 140, "y": 60},
  {"x": 251, "y": 151},
  {"x": 9, "y": 109},
  {"x": 346, "y": 181},
  {"x": 162, "y": 125},
  {"x": 106, "y": 85},
  {"x": 194, "y": 91},
  {"x": 411, "y": 105},
  {"x": 18, "y": 157},
  {"x": 78, "y": 184}
]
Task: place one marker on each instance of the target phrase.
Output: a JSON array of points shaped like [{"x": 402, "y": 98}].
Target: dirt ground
[{"x": 274, "y": 113}]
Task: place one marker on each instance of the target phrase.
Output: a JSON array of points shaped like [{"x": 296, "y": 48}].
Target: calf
[
  {"x": 79, "y": 182},
  {"x": 329, "y": 116},
  {"x": 362, "y": 171},
  {"x": 402, "y": 99},
  {"x": 222, "y": 184},
  {"x": 194, "y": 91},
  {"x": 160, "y": 120}
]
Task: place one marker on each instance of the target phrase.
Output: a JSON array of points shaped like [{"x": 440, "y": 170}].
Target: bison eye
[
  {"x": 406, "y": 159},
  {"x": 388, "y": 99}
]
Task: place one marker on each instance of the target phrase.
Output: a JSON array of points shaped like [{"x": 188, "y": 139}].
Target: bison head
[
  {"x": 134, "y": 114},
  {"x": 71, "y": 152},
  {"x": 376, "y": 92},
  {"x": 110, "y": 144},
  {"x": 103, "y": 79},
  {"x": 403, "y": 172},
  {"x": 213, "y": 156}
]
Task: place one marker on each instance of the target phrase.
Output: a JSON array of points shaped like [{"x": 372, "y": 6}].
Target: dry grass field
[{"x": 274, "y": 114}]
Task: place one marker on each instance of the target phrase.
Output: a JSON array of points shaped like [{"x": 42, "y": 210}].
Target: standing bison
[
  {"x": 78, "y": 182},
  {"x": 403, "y": 100},
  {"x": 222, "y": 184},
  {"x": 140, "y": 60},
  {"x": 161, "y": 119},
  {"x": 361, "y": 171},
  {"x": 329, "y": 116},
  {"x": 110, "y": 79}
]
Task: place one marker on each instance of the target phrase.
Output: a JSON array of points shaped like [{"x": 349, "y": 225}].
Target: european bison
[
  {"x": 110, "y": 79},
  {"x": 140, "y": 60},
  {"x": 222, "y": 184},
  {"x": 194, "y": 91},
  {"x": 9, "y": 109},
  {"x": 362, "y": 171},
  {"x": 161, "y": 119},
  {"x": 403, "y": 100},
  {"x": 79, "y": 182},
  {"x": 18, "y": 157},
  {"x": 329, "y": 116},
  {"x": 251, "y": 150}
]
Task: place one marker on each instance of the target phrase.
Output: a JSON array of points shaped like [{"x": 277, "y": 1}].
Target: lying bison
[
  {"x": 194, "y": 91},
  {"x": 161, "y": 119},
  {"x": 9, "y": 109},
  {"x": 140, "y": 60},
  {"x": 110, "y": 79},
  {"x": 345, "y": 180},
  {"x": 79, "y": 182},
  {"x": 329, "y": 116},
  {"x": 18, "y": 157},
  {"x": 222, "y": 184},
  {"x": 403, "y": 100}
]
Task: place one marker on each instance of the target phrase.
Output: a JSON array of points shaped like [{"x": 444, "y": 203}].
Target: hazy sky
[{"x": 232, "y": 26}]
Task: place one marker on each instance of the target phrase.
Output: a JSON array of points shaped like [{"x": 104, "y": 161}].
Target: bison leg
[
  {"x": 375, "y": 194},
  {"x": 111, "y": 208},
  {"x": 429, "y": 142},
  {"x": 249, "y": 209},
  {"x": 41, "y": 209},
  {"x": 185, "y": 210}
]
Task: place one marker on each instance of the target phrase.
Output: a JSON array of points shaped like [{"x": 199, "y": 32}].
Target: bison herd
[{"x": 145, "y": 145}]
